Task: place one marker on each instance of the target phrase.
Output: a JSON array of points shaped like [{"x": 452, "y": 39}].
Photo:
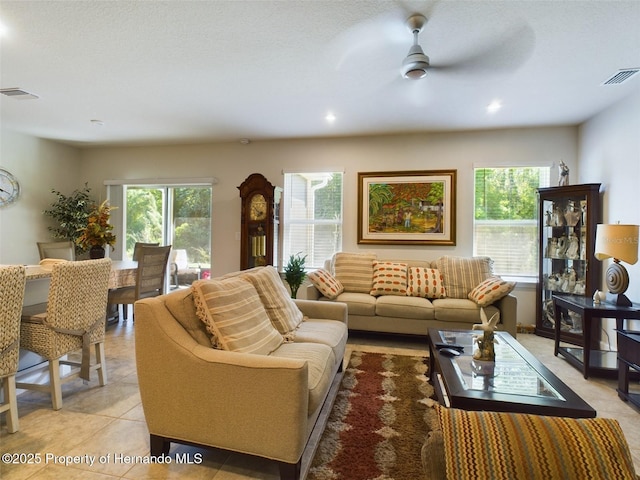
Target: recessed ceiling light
[
  {"x": 494, "y": 106},
  {"x": 4, "y": 30},
  {"x": 97, "y": 123},
  {"x": 330, "y": 117}
]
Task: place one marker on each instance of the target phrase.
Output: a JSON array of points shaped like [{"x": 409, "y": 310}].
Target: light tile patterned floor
[{"x": 108, "y": 423}]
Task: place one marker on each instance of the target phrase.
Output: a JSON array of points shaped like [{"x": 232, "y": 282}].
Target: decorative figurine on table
[
  {"x": 563, "y": 174},
  {"x": 486, "y": 350}
]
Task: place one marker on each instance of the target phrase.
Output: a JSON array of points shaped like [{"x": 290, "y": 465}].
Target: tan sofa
[
  {"x": 406, "y": 314},
  {"x": 266, "y": 405}
]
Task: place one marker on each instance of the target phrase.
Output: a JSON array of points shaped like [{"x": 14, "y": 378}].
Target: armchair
[{"x": 181, "y": 274}]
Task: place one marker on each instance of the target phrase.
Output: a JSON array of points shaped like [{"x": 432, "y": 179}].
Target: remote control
[{"x": 455, "y": 346}]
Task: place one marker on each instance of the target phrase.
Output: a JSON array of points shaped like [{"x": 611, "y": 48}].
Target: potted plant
[
  {"x": 71, "y": 213},
  {"x": 294, "y": 273},
  {"x": 97, "y": 232}
]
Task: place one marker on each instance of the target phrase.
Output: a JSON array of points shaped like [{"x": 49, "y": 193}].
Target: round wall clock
[{"x": 9, "y": 188}]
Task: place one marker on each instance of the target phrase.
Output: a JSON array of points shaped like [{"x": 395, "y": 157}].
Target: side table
[
  {"x": 628, "y": 357},
  {"x": 588, "y": 359}
]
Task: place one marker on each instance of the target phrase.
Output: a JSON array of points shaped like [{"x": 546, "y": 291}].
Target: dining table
[{"x": 123, "y": 273}]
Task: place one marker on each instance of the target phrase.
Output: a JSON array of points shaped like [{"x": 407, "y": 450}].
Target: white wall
[
  {"x": 39, "y": 166},
  {"x": 609, "y": 150}
]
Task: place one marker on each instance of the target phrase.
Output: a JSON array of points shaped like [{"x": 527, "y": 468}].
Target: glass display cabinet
[{"x": 567, "y": 219}]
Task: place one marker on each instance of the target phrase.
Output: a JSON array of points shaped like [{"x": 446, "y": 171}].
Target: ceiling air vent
[
  {"x": 621, "y": 76},
  {"x": 18, "y": 94}
]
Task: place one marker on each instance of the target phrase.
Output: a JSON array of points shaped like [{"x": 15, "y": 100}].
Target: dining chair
[
  {"x": 150, "y": 278},
  {"x": 139, "y": 245},
  {"x": 73, "y": 318},
  {"x": 61, "y": 250},
  {"x": 12, "y": 282}
]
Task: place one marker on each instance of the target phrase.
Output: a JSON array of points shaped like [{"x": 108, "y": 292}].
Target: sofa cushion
[
  {"x": 389, "y": 278},
  {"x": 358, "y": 303},
  {"x": 320, "y": 360},
  {"x": 504, "y": 446},
  {"x": 234, "y": 316},
  {"x": 182, "y": 306},
  {"x": 425, "y": 282},
  {"x": 491, "y": 290},
  {"x": 281, "y": 309},
  {"x": 404, "y": 307},
  {"x": 463, "y": 274},
  {"x": 460, "y": 310},
  {"x": 325, "y": 283},
  {"x": 328, "y": 332},
  {"x": 354, "y": 271}
]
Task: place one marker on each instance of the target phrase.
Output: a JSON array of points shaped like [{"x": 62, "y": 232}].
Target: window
[
  {"x": 312, "y": 216},
  {"x": 505, "y": 224}
]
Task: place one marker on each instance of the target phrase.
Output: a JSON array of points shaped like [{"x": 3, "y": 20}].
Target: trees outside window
[
  {"x": 505, "y": 217},
  {"x": 312, "y": 214}
]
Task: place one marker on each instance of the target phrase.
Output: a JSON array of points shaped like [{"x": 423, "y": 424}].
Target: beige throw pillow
[
  {"x": 281, "y": 309},
  {"x": 233, "y": 313},
  {"x": 463, "y": 274},
  {"x": 355, "y": 271},
  {"x": 325, "y": 283},
  {"x": 389, "y": 278},
  {"x": 425, "y": 282},
  {"x": 490, "y": 290}
]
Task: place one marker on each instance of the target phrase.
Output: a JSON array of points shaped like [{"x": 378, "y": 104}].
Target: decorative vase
[{"x": 97, "y": 251}]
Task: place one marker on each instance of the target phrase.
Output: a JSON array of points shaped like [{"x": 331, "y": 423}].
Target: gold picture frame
[{"x": 407, "y": 207}]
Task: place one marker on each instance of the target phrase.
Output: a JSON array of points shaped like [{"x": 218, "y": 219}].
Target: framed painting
[{"x": 407, "y": 208}]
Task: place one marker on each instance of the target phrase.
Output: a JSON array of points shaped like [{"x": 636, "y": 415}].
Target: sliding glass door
[{"x": 177, "y": 215}]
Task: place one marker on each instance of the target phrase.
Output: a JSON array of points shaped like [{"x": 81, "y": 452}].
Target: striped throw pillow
[
  {"x": 507, "y": 446},
  {"x": 463, "y": 274},
  {"x": 490, "y": 290},
  {"x": 281, "y": 309},
  {"x": 326, "y": 283},
  {"x": 234, "y": 316},
  {"x": 355, "y": 271},
  {"x": 389, "y": 278},
  {"x": 425, "y": 282}
]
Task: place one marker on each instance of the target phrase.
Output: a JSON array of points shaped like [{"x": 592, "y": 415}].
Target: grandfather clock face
[{"x": 258, "y": 207}]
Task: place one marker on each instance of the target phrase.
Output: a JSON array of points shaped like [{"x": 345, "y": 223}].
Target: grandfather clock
[{"x": 259, "y": 223}]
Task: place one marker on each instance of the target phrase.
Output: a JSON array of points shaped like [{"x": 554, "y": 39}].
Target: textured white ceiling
[{"x": 200, "y": 71}]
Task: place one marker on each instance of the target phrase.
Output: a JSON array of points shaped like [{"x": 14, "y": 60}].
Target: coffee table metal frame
[{"x": 452, "y": 388}]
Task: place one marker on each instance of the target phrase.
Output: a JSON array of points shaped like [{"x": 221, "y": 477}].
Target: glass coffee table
[{"x": 515, "y": 382}]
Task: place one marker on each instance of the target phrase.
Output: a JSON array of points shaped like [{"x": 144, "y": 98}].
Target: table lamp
[{"x": 619, "y": 242}]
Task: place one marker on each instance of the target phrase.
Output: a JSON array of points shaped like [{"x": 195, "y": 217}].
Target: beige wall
[
  {"x": 609, "y": 146},
  {"x": 39, "y": 165},
  {"x": 42, "y": 165}
]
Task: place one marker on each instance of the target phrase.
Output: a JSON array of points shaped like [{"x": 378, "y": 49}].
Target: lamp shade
[{"x": 617, "y": 241}]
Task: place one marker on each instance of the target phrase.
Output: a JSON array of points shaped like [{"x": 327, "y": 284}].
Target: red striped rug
[{"x": 379, "y": 421}]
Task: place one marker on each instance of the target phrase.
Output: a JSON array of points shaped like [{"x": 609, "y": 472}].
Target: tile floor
[{"x": 107, "y": 423}]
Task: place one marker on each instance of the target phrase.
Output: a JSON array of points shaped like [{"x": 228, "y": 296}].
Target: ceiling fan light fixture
[{"x": 416, "y": 64}]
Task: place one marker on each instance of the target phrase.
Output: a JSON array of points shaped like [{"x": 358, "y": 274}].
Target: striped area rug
[{"x": 379, "y": 421}]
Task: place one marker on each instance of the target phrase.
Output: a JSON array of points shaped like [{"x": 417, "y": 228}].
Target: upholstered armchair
[
  {"x": 181, "y": 273},
  {"x": 12, "y": 281},
  {"x": 73, "y": 318}
]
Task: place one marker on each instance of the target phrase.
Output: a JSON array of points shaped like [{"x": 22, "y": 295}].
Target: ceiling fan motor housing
[{"x": 415, "y": 64}]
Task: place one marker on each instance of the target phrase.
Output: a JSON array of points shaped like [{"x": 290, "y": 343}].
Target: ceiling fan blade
[{"x": 505, "y": 53}]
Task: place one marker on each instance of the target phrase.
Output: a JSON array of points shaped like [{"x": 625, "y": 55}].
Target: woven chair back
[
  {"x": 77, "y": 301},
  {"x": 12, "y": 282},
  {"x": 152, "y": 271}
]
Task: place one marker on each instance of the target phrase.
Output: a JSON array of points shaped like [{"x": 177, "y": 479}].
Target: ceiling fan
[
  {"x": 416, "y": 63},
  {"x": 472, "y": 49}
]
